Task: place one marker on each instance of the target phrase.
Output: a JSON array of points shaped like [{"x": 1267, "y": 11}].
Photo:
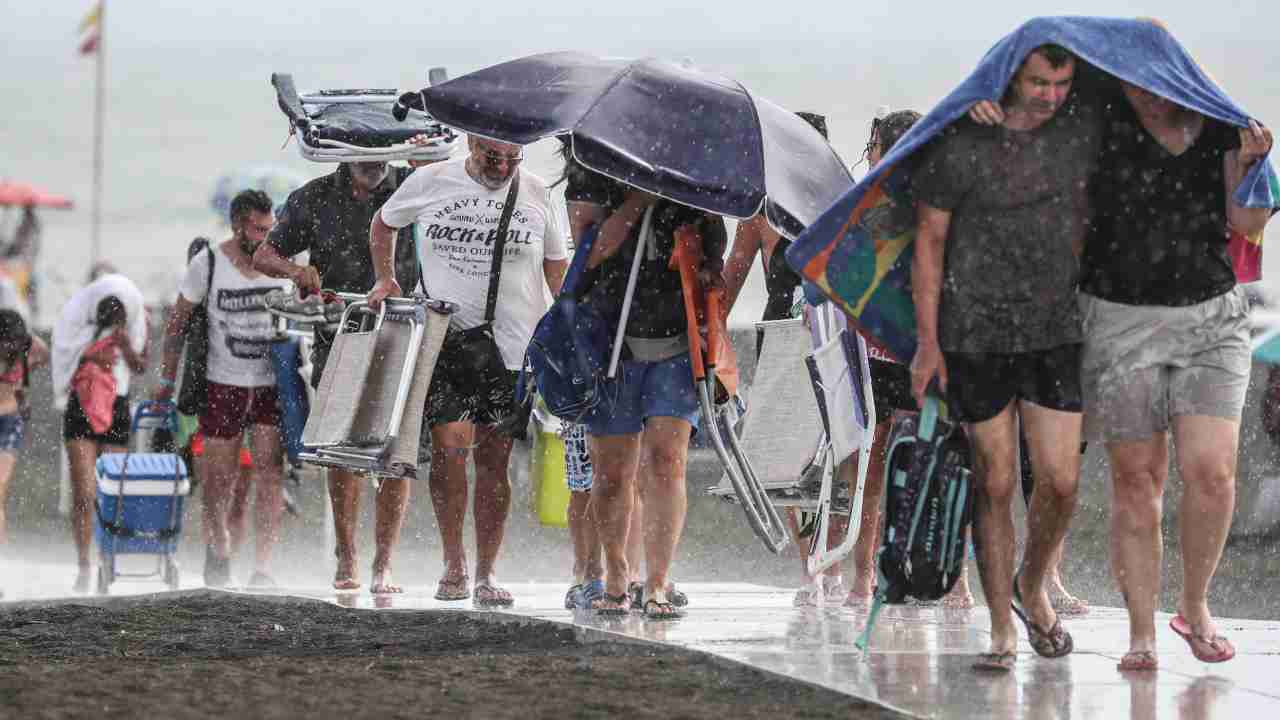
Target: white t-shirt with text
[
  {"x": 240, "y": 328},
  {"x": 455, "y": 220}
]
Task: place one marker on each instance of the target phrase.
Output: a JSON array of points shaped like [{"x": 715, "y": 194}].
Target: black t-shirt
[
  {"x": 1018, "y": 204},
  {"x": 657, "y": 310},
  {"x": 323, "y": 217},
  {"x": 781, "y": 282},
  {"x": 1158, "y": 235}
]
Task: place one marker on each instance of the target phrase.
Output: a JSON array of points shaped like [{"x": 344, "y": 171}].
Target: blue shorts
[
  {"x": 12, "y": 430},
  {"x": 660, "y": 389}
]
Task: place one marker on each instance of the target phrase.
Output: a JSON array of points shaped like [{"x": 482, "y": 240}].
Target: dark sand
[{"x": 221, "y": 655}]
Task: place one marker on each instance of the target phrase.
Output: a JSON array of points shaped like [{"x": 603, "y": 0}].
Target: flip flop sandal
[
  {"x": 677, "y": 598},
  {"x": 489, "y": 596},
  {"x": 572, "y": 599},
  {"x": 385, "y": 589},
  {"x": 660, "y": 610},
  {"x": 1053, "y": 643},
  {"x": 635, "y": 591},
  {"x": 450, "y": 590},
  {"x": 1138, "y": 661},
  {"x": 346, "y": 584},
  {"x": 621, "y": 603},
  {"x": 591, "y": 592},
  {"x": 1223, "y": 650},
  {"x": 995, "y": 662}
]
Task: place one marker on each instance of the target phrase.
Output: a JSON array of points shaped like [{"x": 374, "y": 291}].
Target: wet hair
[
  {"x": 892, "y": 127},
  {"x": 14, "y": 338},
  {"x": 247, "y": 201},
  {"x": 580, "y": 174},
  {"x": 819, "y": 122},
  {"x": 1056, "y": 55},
  {"x": 110, "y": 313}
]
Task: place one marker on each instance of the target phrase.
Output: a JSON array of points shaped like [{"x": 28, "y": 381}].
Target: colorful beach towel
[{"x": 858, "y": 256}]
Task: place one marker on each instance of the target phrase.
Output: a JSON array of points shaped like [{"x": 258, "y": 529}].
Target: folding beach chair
[
  {"x": 359, "y": 125},
  {"x": 715, "y": 376},
  {"x": 368, "y": 412}
]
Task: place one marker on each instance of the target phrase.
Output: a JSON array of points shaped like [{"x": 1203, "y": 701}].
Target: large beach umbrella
[
  {"x": 681, "y": 133},
  {"x": 16, "y": 194}
]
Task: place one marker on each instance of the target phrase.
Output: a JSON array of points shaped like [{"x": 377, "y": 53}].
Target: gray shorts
[{"x": 1142, "y": 364}]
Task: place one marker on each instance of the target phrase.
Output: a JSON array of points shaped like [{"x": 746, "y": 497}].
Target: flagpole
[{"x": 99, "y": 108}]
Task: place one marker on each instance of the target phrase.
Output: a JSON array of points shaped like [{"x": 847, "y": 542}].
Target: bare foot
[{"x": 382, "y": 583}]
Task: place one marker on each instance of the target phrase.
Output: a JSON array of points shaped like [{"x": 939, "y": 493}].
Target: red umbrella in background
[{"x": 21, "y": 194}]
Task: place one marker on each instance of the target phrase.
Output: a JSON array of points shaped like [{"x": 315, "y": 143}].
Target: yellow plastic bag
[{"x": 547, "y": 476}]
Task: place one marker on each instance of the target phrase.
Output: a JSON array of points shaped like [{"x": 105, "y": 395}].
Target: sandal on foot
[
  {"x": 1138, "y": 661},
  {"x": 659, "y": 607},
  {"x": 1220, "y": 648},
  {"x": 347, "y": 583},
  {"x": 677, "y": 598},
  {"x": 385, "y": 588},
  {"x": 995, "y": 662},
  {"x": 1069, "y": 605},
  {"x": 612, "y": 605},
  {"x": 635, "y": 591},
  {"x": 450, "y": 590},
  {"x": 489, "y": 595},
  {"x": 1052, "y": 643},
  {"x": 573, "y": 598}
]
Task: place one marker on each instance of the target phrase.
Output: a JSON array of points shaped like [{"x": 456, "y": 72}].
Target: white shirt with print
[
  {"x": 455, "y": 219},
  {"x": 240, "y": 328}
]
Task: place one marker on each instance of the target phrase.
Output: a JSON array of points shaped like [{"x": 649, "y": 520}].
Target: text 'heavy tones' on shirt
[
  {"x": 1019, "y": 205},
  {"x": 455, "y": 223},
  {"x": 324, "y": 218},
  {"x": 240, "y": 328}
]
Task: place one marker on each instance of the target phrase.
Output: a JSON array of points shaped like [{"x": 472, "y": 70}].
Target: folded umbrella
[{"x": 678, "y": 132}]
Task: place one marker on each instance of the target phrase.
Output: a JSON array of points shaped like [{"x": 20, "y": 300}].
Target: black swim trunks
[{"x": 980, "y": 385}]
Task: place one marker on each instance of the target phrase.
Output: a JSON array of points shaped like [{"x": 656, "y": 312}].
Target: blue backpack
[{"x": 569, "y": 351}]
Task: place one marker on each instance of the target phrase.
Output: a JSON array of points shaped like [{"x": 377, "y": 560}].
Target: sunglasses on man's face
[{"x": 496, "y": 158}]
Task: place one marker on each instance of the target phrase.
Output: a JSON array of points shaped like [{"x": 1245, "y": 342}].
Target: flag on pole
[{"x": 91, "y": 30}]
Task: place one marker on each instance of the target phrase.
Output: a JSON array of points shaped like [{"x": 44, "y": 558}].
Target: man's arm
[
  {"x": 926, "y": 291},
  {"x": 268, "y": 261},
  {"x": 1255, "y": 143},
  {"x": 382, "y": 248},
  {"x": 554, "y": 271},
  {"x": 175, "y": 335}
]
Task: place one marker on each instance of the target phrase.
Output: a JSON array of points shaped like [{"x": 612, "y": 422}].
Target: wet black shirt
[
  {"x": 1018, "y": 203},
  {"x": 781, "y": 282},
  {"x": 1159, "y": 231},
  {"x": 323, "y": 217},
  {"x": 657, "y": 310}
]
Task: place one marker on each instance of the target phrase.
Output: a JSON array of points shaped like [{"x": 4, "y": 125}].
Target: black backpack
[
  {"x": 928, "y": 507},
  {"x": 193, "y": 392}
]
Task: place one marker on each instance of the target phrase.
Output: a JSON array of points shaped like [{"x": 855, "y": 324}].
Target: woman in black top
[
  {"x": 639, "y": 443},
  {"x": 1167, "y": 345}
]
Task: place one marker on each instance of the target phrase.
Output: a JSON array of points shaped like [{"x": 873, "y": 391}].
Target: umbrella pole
[{"x": 99, "y": 111}]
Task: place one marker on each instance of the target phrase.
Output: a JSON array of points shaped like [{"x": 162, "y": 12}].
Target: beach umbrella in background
[
  {"x": 16, "y": 194},
  {"x": 276, "y": 182},
  {"x": 676, "y": 131}
]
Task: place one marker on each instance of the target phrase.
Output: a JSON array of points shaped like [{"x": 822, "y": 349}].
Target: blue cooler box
[{"x": 150, "y": 510}]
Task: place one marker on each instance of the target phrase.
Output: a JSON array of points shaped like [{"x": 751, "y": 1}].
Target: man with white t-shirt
[
  {"x": 458, "y": 208},
  {"x": 241, "y": 383}
]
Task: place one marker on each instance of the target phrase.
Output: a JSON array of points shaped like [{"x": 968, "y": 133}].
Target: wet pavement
[{"x": 919, "y": 658}]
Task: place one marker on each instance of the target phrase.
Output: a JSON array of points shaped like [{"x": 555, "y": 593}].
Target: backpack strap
[{"x": 499, "y": 244}]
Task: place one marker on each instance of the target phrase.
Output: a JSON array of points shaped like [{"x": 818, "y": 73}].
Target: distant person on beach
[
  {"x": 458, "y": 208},
  {"x": 20, "y": 353},
  {"x": 1007, "y": 202},
  {"x": 241, "y": 395},
  {"x": 104, "y": 323},
  {"x": 329, "y": 218}
]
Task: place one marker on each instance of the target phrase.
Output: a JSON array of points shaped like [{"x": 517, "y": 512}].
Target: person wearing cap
[{"x": 329, "y": 218}]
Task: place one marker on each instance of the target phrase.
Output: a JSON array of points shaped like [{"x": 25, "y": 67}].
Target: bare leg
[
  {"x": 492, "y": 502},
  {"x": 1206, "y": 448},
  {"x": 864, "y": 550},
  {"x": 82, "y": 454},
  {"x": 268, "y": 470},
  {"x": 7, "y": 460},
  {"x": 1053, "y": 438},
  {"x": 1138, "y": 473},
  {"x": 219, "y": 474},
  {"x": 391, "y": 503},
  {"x": 450, "y": 447},
  {"x": 586, "y": 543},
  {"x": 993, "y": 444},
  {"x": 662, "y": 489},
  {"x": 635, "y": 537},
  {"x": 344, "y": 498},
  {"x": 238, "y": 509},
  {"x": 615, "y": 460}
]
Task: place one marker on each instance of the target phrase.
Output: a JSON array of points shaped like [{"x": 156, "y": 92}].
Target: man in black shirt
[
  {"x": 1002, "y": 212},
  {"x": 329, "y": 217}
]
